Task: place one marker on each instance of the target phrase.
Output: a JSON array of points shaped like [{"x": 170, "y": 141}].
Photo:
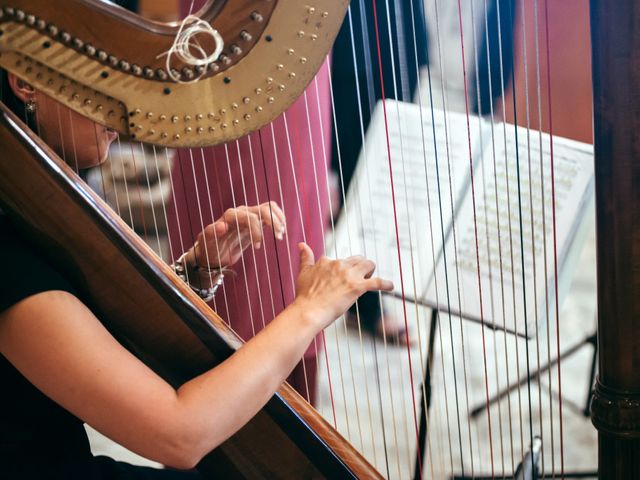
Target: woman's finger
[
  {"x": 376, "y": 283},
  {"x": 353, "y": 260},
  {"x": 361, "y": 265},
  {"x": 248, "y": 221},
  {"x": 365, "y": 267},
  {"x": 265, "y": 215},
  {"x": 276, "y": 212},
  {"x": 272, "y": 219},
  {"x": 307, "y": 258}
]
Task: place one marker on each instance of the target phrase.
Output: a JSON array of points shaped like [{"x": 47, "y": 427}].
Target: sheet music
[
  {"x": 425, "y": 197},
  {"x": 501, "y": 211}
]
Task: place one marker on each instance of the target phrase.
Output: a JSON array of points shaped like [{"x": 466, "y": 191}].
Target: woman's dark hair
[{"x": 13, "y": 103}]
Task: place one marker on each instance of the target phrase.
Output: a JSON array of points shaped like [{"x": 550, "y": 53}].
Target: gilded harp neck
[{"x": 107, "y": 64}]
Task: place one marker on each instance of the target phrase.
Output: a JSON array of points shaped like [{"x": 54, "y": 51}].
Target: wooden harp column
[{"x": 615, "y": 408}]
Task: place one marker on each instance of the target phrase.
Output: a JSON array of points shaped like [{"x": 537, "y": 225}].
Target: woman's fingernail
[{"x": 258, "y": 245}]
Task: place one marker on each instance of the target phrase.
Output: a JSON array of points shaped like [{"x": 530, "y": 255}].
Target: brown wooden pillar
[{"x": 615, "y": 410}]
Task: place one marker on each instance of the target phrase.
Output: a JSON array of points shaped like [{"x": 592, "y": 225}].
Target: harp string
[
  {"x": 403, "y": 388},
  {"x": 304, "y": 224},
  {"x": 456, "y": 264},
  {"x": 239, "y": 236},
  {"x": 199, "y": 208},
  {"x": 429, "y": 363},
  {"x": 485, "y": 190},
  {"x": 222, "y": 205},
  {"x": 297, "y": 198},
  {"x": 371, "y": 96},
  {"x": 396, "y": 63},
  {"x": 307, "y": 208},
  {"x": 254, "y": 174},
  {"x": 555, "y": 245},
  {"x": 175, "y": 205},
  {"x": 126, "y": 183},
  {"x": 544, "y": 243},
  {"x": 404, "y": 83},
  {"x": 475, "y": 227},
  {"x": 297, "y": 124},
  {"x": 348, "y": 221},
  {"x": 161, "y": 179},
  {"x": 395, "y": 217},
  {"x": 509, "y": 216},
  {"x": 521, "y": 234},
  {"x": 60, "y": 130},
  {"x": 221, "y": 208},
  {"x": 200, "y": 214},
  {"x": 533, "y": 241},
  {"x": 153, "y": 209},
  {"x": 253, "y": 250},
  {"x": 438, "y": 330},
  {"x": 288, "y": 250},
  {"x": 451, "y": 182},
  {"x": 190, "y": 230},
  {"x": 321, "y": 216},
  {"x": 346, "y": 214},
  {"x": 201, "y": 217},
  {"x": 346, "y": 210},
  {"x": 430, "y": 221},
  {"x": 110, "y": 161},
  {"x": 73, "y": 141},
  {"x": 212, "y": 216},
  {"x": 331, "y": 217},
  {"x": 501, "y": 266},
  {"x": 138, "y": 190}
]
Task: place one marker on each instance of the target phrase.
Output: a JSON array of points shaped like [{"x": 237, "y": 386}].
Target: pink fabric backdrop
[{"x": 285, "y": 162}]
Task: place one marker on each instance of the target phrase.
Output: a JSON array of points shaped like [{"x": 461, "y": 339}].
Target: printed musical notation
[
  {"x": 427, "y": 186},
  {"x": 503, "y": 248}
]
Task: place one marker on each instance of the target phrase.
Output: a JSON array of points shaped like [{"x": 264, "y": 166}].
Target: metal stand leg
[
  {"x": 425, "y": 399},
  {"x": 591, "y": 339},
  {"x": 592, "y": 378}
]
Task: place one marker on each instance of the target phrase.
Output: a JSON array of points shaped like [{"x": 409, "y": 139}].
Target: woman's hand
[
  {"x": 221, "y": 244},
  {"x": 327, "y": 288}
]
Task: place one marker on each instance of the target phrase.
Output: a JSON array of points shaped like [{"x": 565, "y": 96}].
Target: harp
[{"x": 128, "y": 90}]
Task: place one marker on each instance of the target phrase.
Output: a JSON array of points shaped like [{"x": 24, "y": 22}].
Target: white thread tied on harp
[{"x": 186, "y": 43}]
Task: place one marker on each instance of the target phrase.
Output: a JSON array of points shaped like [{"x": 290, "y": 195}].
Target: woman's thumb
[{"x": 307, "y": 258}]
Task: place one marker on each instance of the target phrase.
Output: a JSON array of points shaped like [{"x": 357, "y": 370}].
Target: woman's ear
[{"x": 20, "y": 88}]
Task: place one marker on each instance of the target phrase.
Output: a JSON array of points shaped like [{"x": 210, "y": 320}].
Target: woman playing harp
[{"x": 58, "y": 359}]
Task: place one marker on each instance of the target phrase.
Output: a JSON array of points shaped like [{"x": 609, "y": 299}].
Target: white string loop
[{"x": 188, "y": 49}]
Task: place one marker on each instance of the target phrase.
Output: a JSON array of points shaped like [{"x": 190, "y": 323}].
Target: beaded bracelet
[{"x": 217, "y": 276}]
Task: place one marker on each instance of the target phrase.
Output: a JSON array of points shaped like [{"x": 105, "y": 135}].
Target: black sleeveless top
[{"x": 39, "y": 438}]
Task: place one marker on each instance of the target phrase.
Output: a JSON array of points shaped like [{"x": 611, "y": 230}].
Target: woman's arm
[{"x": 59, "y": 345}]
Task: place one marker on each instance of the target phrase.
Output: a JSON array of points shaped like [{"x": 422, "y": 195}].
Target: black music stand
[{"x": 425, "y": 400}]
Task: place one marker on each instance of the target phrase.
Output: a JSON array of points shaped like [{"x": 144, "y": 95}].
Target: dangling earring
[{"x": 31, "y": 106}]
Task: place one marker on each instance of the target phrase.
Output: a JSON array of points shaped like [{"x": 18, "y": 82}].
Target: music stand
[{"x": 425, "y": 400}]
